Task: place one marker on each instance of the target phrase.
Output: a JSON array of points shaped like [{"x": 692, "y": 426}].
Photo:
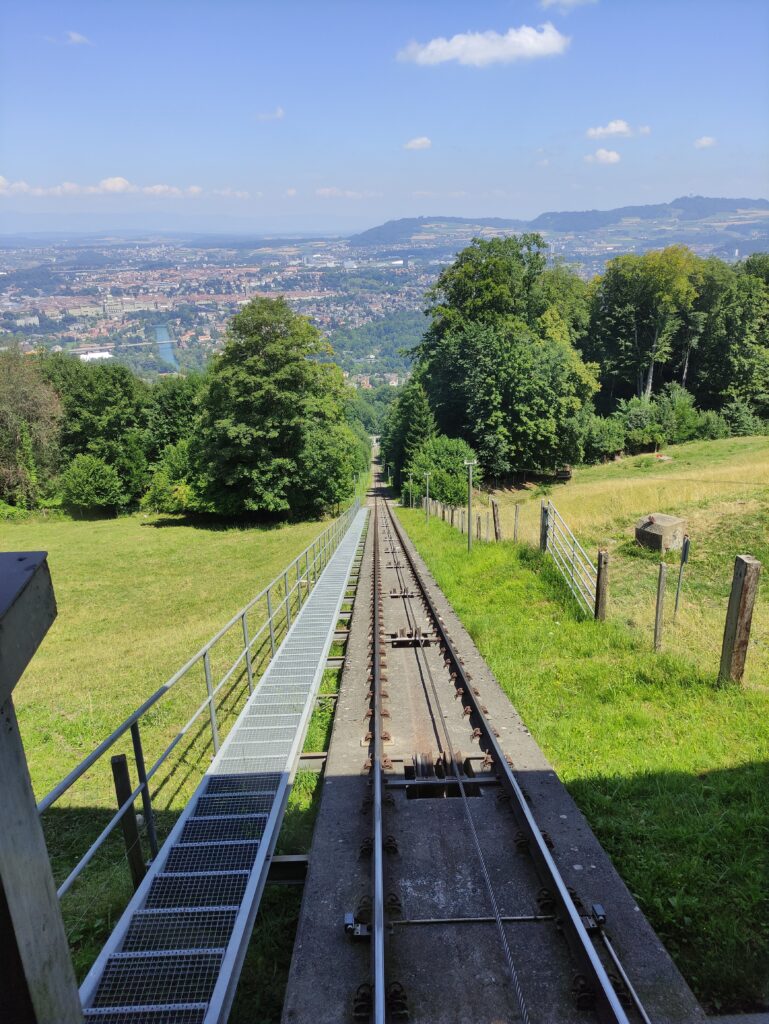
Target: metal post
[
  {"x": 299, "y": 582},
  {"x": 543, "y": 526},
  {"x": 211, "y": 705},
  {"x": 602, "y": 585},
  {"x": 128, "y": 822},
  {"x": 470, "y": 463},
  {"x": 307, "y": 569},
  {"x": 660, "y": 606},
  {"x": 427, "y": 499},
  {"x": 684, "y": 560},
  {"x": 272, "y": 625},
  {"x": 515, "y": 521},
  {"x": 141, "y": 771},
  {"x": 288, "y": 602},
  {"x": 247, "y": 650}
]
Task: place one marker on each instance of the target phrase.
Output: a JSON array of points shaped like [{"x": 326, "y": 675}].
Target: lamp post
[
  {"x": 427, "y": 498},
  {"x": 470, "y": 463}
]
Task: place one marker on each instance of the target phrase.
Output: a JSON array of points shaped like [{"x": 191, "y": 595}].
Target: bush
[
  {"x": 598, "y": 438},
  {"x": 741, "y": 419},
  {"x": 90, "y": 485},
  {"x": 642, "y": 427},
  {"x": 712, "y": 425},
  {"x": 444, "y": 459},
  {"x": 169, "y": 489}
]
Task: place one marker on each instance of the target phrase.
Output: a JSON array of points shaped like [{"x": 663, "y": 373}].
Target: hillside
[{"x": 693, "y": 218}]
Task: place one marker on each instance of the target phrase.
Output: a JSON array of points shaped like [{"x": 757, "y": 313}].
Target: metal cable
[{"x": 466, "y": 804}]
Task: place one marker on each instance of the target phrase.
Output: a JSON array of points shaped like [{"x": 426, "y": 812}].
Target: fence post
[
  {"x": 684, "y": 560},
  {"x": 543, "y": 526},
  {"x": 128, "y": 822},
  {"x": 211, "y": 705},
  {"x": 601, "y": 585},
  {"x": 495, "y": 516},
  {"x": 141, "y": 771},
  {"x": 739, "y": 614},
  {"x": 660, "y": 606},
  {"x": 515, "y": 521},
  {"x": 452, "y": 515},
  {"x": 478, "y": 526},
  {"x": 488, "y": 517}
]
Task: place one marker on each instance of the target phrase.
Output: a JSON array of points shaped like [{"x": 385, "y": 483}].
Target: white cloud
[
  {"x": 478, "y": 49},
  {"x": 70, "y": 38},
  {"x": 232, "y": 193},
  {"x": 420, "y": 142},
  {"x": 644, "y": 129},
  {"x": 616, "y": 127},
  {"x": 271, "y": 115},
  {"x": 115, "y": 186},
  {"x": 565, "y": 5},
  {"x": 603, "y": 156},
  {"x": 332, "y": 192},
  {"x": 704, "y": 142},
  {"x": 290, "y": 193}
]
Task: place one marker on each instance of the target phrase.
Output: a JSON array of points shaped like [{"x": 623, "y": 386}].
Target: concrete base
[{"x": 660, "y": 532}]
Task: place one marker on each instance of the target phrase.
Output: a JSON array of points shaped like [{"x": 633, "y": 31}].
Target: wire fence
[{"x": 573, "y": 562}]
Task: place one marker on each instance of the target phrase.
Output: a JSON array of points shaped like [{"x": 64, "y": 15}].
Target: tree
[
  {"x": 171, "y": 411},
  {"x": 30, "y": 418},
  {"x": 90, "y": 485},
  {"x": 444, "y": 459},
  {"x": 264, "y": 396},
  {"x": 409, "y": 424}
]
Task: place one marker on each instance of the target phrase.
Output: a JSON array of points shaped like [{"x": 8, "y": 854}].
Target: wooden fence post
[
  {"x": 488, "y": 517},
  {"x": 739, "y": 614},
  {"x": 495, "y": 516},
  {"x": 128, "y": 822},
  {"x": 515, "y": 521},
  {"x": 478, "y": 527},
  {"x": 543, "y": 526},
  {"x": 601, "y": 585},
  {"x": 660, "y": 606},
  {"x": 452, "y": 515}
]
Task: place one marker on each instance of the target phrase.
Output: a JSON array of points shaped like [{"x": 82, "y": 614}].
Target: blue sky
[{"x": 297, "y": 116}]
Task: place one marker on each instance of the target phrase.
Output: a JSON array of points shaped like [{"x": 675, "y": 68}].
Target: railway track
[{"x": 467, "y": 914}]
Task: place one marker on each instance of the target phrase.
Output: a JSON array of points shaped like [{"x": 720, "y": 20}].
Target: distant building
[{"x": 93, "y": 357}]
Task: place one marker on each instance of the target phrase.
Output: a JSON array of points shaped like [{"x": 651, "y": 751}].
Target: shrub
[
  {"x": 90, "y": 485},
  {"x": 741, "y": 419},
  {"x": 444, "y": 459}
]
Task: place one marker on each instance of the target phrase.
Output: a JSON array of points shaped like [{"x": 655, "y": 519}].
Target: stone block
[{"x": 660, "y": 532}]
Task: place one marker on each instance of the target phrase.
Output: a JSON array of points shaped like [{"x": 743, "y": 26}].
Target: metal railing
[
  {"x": 573, "y": 562},
  {"x": 257, "y": 630}
]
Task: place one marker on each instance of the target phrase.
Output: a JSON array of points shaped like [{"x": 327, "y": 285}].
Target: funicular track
[{"x": 503, "y": 911}]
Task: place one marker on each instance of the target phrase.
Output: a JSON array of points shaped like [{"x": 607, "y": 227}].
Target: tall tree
[{"x": 30, "y": 418}]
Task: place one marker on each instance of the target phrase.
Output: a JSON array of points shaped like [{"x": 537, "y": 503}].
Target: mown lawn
[
  {"x": 671, "y": 771},
  {"x": 721, "y": 488},
  {"x": 137, "y": 596}
]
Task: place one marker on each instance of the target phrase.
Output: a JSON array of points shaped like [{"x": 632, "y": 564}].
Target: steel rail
[
  {"x": 379, "y": 995},
  {"x": 607, "y": 1004}
]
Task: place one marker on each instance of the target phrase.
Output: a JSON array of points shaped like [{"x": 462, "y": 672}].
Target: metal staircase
[{"x": 176, "y": 953}]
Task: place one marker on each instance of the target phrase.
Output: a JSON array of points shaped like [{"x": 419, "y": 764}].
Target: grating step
[
  {"x": 232, "y": 804},
  {"x": 174, "y": 977},
  {"x": 188, "y": 1013},
  {"x": 236, "y": 855},
  {"x": 219, "y": 827},
  {"x": 199, "y": 889},
  {"x": 243, "y": 783},
  {"x": 179, "y": 929}
]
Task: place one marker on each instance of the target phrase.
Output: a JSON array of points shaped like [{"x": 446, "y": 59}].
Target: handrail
[{"x": 278, "y": 618}]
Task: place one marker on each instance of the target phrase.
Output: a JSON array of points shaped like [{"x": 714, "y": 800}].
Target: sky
[{"x": 286, "y": 116}]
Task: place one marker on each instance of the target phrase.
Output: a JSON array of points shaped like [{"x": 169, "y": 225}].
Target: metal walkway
[{"x": 176, "y": 954}]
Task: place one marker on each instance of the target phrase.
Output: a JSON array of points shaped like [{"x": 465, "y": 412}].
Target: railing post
[
  {"x": 288, "y": 602},
  {"x": 543, "y": 514},
  {"x": 272, "y": 625},
  {"x": 211, "y": 706},
  {"x": 141, "y": 771},
  {"x": 602, "y": 585},
  {"x": 515, "y": 521},
  {"x": 307, "y": 570},
  {"x": 128, "y": 821},
  {"x": 247, "y": 650},
  {"x": 298, "y": 583}
]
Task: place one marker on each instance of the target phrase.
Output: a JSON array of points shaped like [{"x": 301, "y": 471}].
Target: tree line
[
  {"x": 269, "y": 430},
  {"x": 531, "y": 367}
]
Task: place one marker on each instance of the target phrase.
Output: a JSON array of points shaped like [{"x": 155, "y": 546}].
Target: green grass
[
  {"x": 721, "y": 488},
  {"x": 136, "y": 597},
  {"x": 671, "y": 771}
]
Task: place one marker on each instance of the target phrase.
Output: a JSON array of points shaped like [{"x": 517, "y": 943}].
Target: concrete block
[{"x": 660, "y": 532}]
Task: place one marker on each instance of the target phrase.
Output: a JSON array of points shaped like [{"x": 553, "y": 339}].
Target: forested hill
[{"x": 686, "y": 208}]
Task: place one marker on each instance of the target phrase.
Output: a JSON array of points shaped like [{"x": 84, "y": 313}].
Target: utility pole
[
  {"x": 470, "y": 463},
  {"x": 427, "y": 498},
  {"x": 411, "y": 493}
]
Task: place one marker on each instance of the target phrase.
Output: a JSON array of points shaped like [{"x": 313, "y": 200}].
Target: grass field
[
  {"x": 136, "y": 597},
  {"x": 720, "y": 487},
  {"x": 672, "y": 772}
]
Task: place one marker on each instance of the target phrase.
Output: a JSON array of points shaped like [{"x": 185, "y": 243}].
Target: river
[{"x": 166, "y": 346}]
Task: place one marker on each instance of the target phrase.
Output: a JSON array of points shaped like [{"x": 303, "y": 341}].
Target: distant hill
[{"x": 683, "y": 209}]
